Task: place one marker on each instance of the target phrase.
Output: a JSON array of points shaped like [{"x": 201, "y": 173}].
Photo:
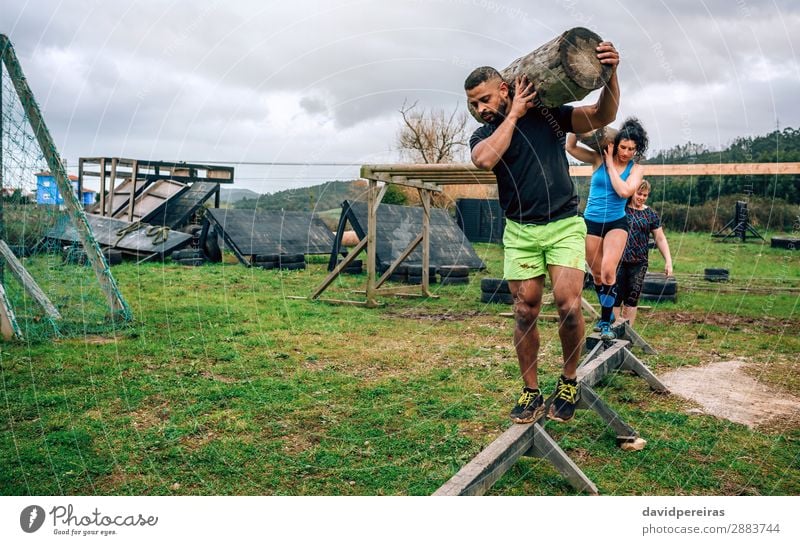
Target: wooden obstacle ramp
[
  {"x": 177, "y": 211},
  {"x": 131, "y": 238}
]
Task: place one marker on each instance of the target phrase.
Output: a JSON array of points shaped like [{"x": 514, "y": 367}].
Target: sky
[{"x": 322, "y": 81}]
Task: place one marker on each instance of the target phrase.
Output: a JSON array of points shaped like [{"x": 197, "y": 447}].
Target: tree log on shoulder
[{"x": 563, "y": 70}]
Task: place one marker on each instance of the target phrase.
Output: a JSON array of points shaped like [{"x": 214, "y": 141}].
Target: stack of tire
[
  {"x": 192, "y": 255},
  {"x": 659, "y": 288},
  {"x": 400, "y": 274},
  {"x": 496, "y": 290},
  {"x": 289, "y": 262},
  {"x": 716, "y": 275},
  {"x": 453, "y": 274},
  {"x": 75, "y": 255},
  {"x": 354, "y": 267},
  {"x": 415, "y": 274},
  {"x": 189, "y": 257}
]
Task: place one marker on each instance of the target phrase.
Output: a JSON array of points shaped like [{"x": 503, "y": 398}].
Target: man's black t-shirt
[{"x": 533, "y": 181}]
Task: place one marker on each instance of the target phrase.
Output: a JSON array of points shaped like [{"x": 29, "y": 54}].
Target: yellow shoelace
[
  {"x": 526, "y": 398},
  {"x": 567, "y": 392}
]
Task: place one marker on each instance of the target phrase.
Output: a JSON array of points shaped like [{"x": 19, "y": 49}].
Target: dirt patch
[
  {"x": 151, "y": 415},
  {"x": 722, "y": 389},
  {"x": 90, "y": 339},
  {"x": 765, "y": 324},
  {"x": 425, "y": 314},
  {"x": 221, "y": 378}
]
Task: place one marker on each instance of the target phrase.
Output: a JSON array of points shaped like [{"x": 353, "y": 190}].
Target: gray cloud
[{"x": 270, "y": 80}]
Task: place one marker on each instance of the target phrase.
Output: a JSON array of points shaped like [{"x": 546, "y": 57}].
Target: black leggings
[{"x": 630, "y": 279}]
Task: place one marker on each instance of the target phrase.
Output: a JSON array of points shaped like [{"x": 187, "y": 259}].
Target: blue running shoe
[{"x": 606, "y": 333}]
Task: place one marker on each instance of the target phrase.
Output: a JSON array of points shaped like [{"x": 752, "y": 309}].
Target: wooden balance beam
[{"x": 532, "y": 439}]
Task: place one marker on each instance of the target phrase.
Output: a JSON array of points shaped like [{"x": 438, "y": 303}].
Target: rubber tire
[
  {"x": 288, "y": 259},
  {"x": 196, "y": 262},
  {"x": 658, "y": 284},
  {"x": 355, "y": 264},
  {"x": 113, "y": 257},
  {"x": 416, "y": 270},
  {"x": 787, "y": 243},
  {"x": 398, "y": 277},
  {"x": 453, "y": 280},
  {"x": 269, "y": 258},
  {"x": 211, "y": 248},
  {"x": 716, "y": 275},
  {"x": 659, "y": 298},
  {"x": 495, "y": 285},
  {"x": 453, "y": 271},
  {"x": 418, "y": 279},
  {"x": 497, "y": 298},
  {"x": 192, "y": 229},
  {"x": 266, "y": 265},
  {"x": 188, "y": 253},
  {"x": 292, "y": 266}
]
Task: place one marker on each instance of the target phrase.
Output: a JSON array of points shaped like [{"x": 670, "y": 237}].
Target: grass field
[{"x": 223, "y": 385}]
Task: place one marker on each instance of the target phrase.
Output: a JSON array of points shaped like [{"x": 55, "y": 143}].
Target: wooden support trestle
[{"x": 601, "y": 359}]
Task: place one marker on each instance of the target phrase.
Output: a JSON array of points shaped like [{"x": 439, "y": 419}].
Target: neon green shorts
[{"x": 529, "y": 249}]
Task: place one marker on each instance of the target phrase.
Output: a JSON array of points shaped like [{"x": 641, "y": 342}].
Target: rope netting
[{"x": 33, "y": 219}]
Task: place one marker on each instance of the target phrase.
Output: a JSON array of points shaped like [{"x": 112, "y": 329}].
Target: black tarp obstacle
[
  {"x": 397, "y": 226},
  {"x": 249, "y": 233}
]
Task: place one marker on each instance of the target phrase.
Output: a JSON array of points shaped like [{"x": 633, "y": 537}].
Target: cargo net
[{"x": 32, "y": 220}]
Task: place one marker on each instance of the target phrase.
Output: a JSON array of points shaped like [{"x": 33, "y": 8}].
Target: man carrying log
[{"x": 522, "y": 142}]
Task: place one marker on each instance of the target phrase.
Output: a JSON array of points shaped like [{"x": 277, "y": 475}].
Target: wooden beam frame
[
  {"x": 27, "y": 281},
  {"x": 519, "y": 440}
]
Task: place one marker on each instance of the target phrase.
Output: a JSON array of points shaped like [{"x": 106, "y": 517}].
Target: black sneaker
[
  {"x": 529, "y": 407},
  {"x": 565, "y": 399}
]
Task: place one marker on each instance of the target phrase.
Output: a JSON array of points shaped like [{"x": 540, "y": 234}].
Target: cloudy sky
[{"x": 322, "y": 81}]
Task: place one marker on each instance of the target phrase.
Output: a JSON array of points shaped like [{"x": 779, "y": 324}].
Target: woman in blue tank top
[{"x": 616, "y": 176}]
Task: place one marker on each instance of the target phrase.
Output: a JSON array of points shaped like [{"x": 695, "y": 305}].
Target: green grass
[{"x": 224, "y": 385}]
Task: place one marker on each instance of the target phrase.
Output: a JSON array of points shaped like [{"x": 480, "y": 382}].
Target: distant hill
[
  {"x": 315, "y": 198},
  {"x": 231, "y": 195}
]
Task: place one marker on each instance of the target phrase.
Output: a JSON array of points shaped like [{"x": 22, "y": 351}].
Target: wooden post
[
  {"x": 425, "y": 197},
  {"x": 117, "y": 304},
  {"x": 8, "y": 322},
  {"x": 27, "y": 281},
  {"x": 111, "y": 184},
  {"x": 372, "y": 226},
  {"x": 132, "y": 201},
  {"x": 102, "y": 182}
]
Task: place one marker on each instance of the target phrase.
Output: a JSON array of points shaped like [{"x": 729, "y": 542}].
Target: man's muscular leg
[
  {"x": 527, "y": 296},
  {"x": 567, "y": 291}
]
